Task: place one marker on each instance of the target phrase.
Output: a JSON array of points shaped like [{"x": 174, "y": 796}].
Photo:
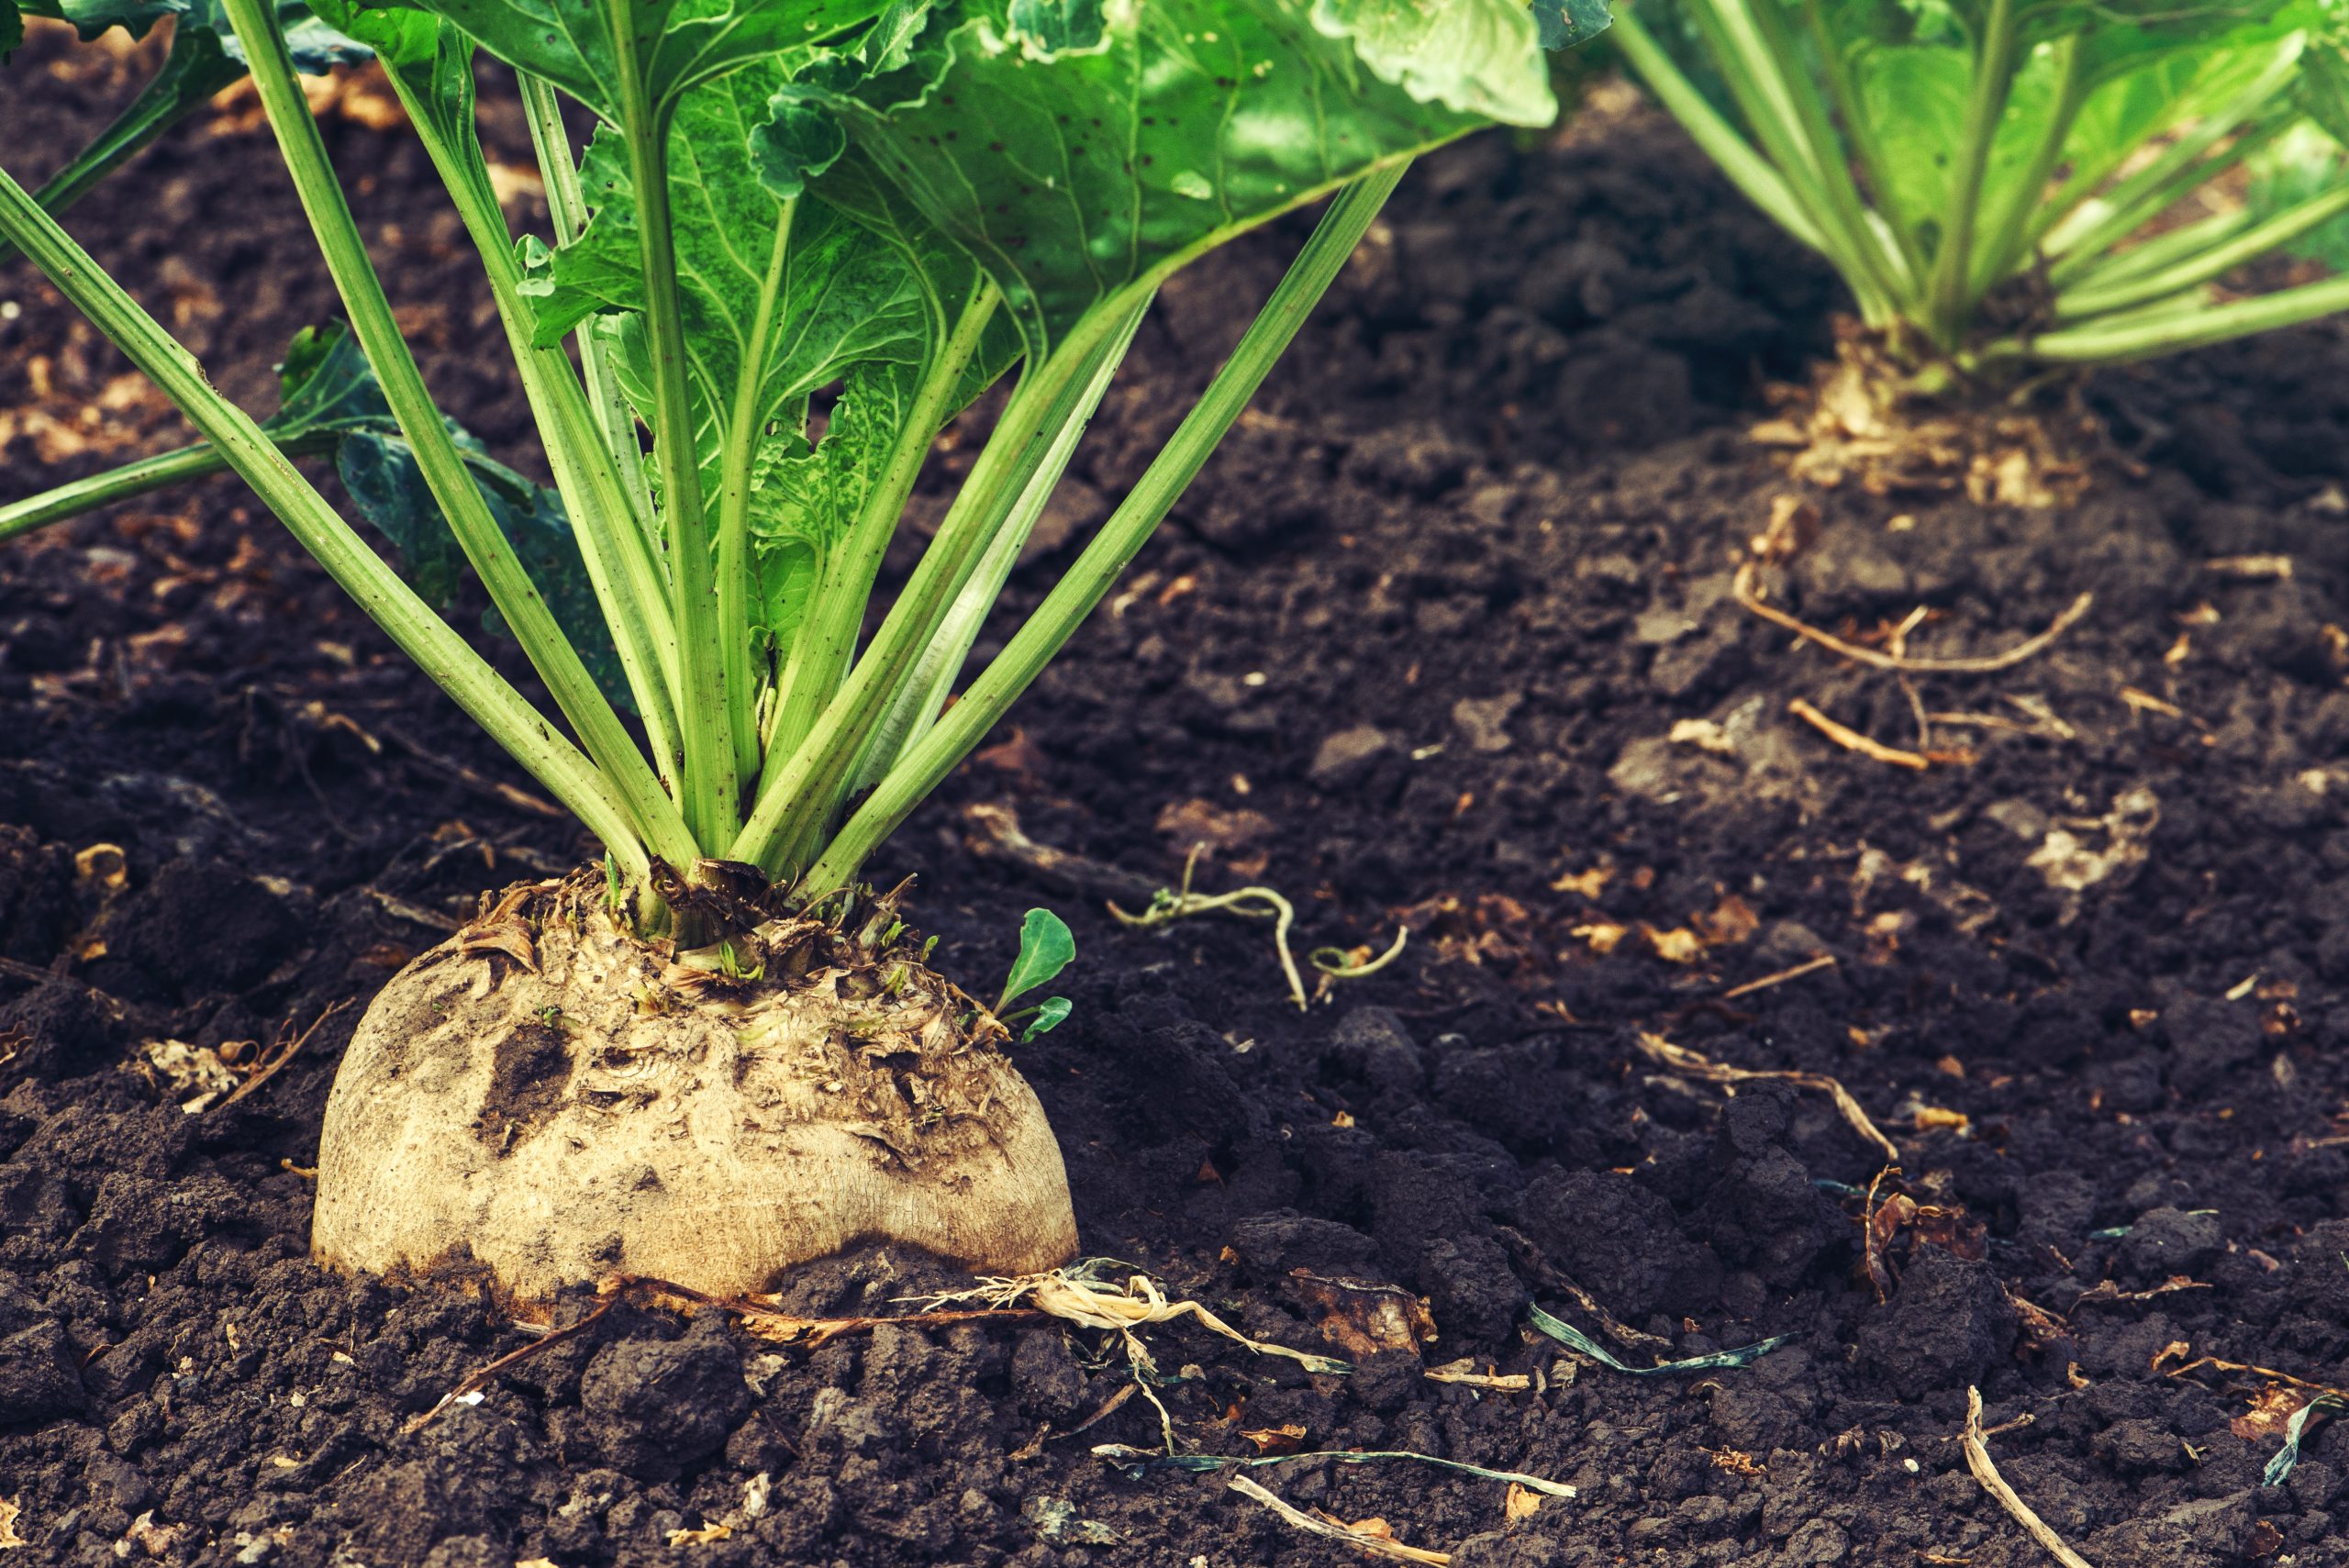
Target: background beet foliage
[{"x": 1415, "y": 649}]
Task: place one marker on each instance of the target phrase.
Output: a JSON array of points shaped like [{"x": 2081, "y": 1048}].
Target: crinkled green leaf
[
  {"x": 1051, "y": 25},
  {"x": 800, "y": 139},
  {"x": 1478, "y": 57},
  {"x": 2304, "y": 166},
  {"x": 539, "y": 530},
  {"x": 2325, "y": 82},
  {"x": 863, "y": 296},
  {"x": 675, "y": 47},
  {"x": 770, "y": 311},
  {"x": 802, "y": 500},
  {"x": 12, "y": 30},
  {"x": 1073, "y": 175},
  {"x": 388, "y": 489},
  {"x": 92, "y": 17},
  {"x": 316, "y": 46},
  {"x": 404, "y": 37}
]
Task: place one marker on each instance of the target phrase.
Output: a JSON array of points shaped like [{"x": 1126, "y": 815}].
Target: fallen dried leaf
[
  {"x": 1977, "y": 1460},
  {"x": 1287, "y": 1437},
  {"x": 1603, "y": 935},
  {"x": 1705, "y": 734},
  {"x": 1732, "y": 921},
  {"x": 2270, "y": 1408},
  {"x": 1017, "y": 755},
  {"x": 1463, "y": 1371},
  {"x": 1676, "y": 946},
  {"x": 1197, "y": 822},
  {"x": 1365, "y": 1317},
  {"x": 1696, "y": 1064},
  {"x": 158, "y": 1541},
  {"x": 1383, "y": 1545},
  {"x": 1590, "y": 883},
  {"x": 1520, "y": 1504}
]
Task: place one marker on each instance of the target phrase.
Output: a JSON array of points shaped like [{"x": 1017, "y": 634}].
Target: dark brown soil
[{"x": 1416, "y": 648}]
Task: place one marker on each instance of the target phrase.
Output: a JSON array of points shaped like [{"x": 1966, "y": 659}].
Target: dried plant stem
[
  {"x": 1741, "y": 585},
  {"x": 285, "y": 1053},
  {"x": 1696, "y": 1064},
  {"x": 1853, "y": 740},
  {"x": 1361, "y": 1540},
  {"x": 1807, "y": 966},
  {"x": 1977, "y": 1460}
]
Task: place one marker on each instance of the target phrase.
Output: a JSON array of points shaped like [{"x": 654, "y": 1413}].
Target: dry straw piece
[
  {"x": 1345, "y": 1535},
  {"x": 1741, "y": 586},
  {"x": 1696, "y": 1064},
  {"x": 1977, "y": 1460}
]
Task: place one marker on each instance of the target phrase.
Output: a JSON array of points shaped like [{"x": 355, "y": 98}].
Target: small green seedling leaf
[
  {"x": 1045, "y": 949},
  {"x": 1049, "y": 1017},
  {"x": 1574, "y": 1339}
]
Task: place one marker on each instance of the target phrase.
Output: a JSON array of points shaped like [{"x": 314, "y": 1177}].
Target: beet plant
[
  {"x": 716, "y": 1055},
  {"x": 2011, "y": 184}
]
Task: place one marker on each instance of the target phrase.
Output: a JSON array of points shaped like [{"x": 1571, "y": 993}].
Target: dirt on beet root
[{"x": 1445, "y": 637}]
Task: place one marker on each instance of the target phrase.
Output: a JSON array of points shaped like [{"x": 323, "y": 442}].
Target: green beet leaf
[
  {"x": 782, "y": 294},
  {"x": 616, "y": 55},
  {"x": 1081, "y": 150},
  {"x": 1565, "y": 23}
]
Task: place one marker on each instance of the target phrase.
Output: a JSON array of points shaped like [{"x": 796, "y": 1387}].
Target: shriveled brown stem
[
  {"x": 1852, "y": 739},
  {"x": 1807, "y": 966}
]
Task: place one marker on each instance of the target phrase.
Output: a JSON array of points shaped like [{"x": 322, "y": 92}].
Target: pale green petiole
[
  {"x": 708, "y": 763},
  {"x": 510, "y": 588},
  {"x": 130, "y": 481},
  {"x": 558, "y": 766},
  {"x": 620, "y": 567},
  {"x": 1130, "y": 526},
  {"x": 567, "y": 206}
]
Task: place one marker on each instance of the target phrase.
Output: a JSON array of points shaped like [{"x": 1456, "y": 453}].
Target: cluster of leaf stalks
[
  {"x": 890, "y": 205},
  {"x": 2009, "y": 184}
]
